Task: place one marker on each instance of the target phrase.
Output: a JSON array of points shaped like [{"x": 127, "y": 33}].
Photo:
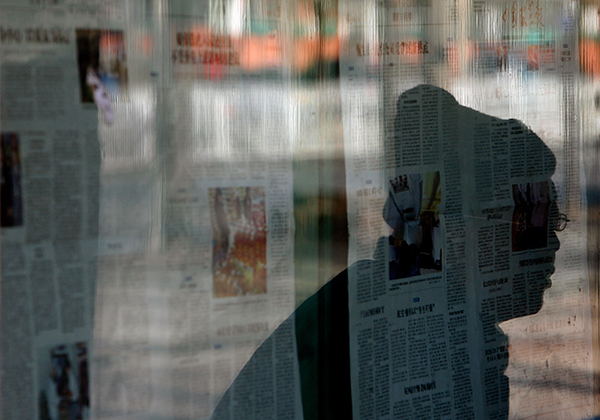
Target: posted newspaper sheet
[
  {"x": 51, "y": 65},
  {"x": 147, "y": 229},
  {"x": 461, "y": 303},
  {"x": 229, "y": 248}
]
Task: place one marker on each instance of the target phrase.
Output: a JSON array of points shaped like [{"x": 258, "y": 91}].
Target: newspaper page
[
  {"x": 148, "y": 206},
  {"x": 50, "y": 77},
  {"x": 229, "y": 231},
  {"x": 456, "y": 216},
  {"x": 196, "y": 263},
  {"x": 550, "y": 364},
  {"x": 229, "y": 239}
]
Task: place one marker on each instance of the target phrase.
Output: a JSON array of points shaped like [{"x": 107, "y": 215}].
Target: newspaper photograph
[{"x": 239, "y": 268}]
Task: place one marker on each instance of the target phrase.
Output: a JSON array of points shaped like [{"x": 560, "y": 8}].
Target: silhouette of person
[{"x": 473, "y": 241}]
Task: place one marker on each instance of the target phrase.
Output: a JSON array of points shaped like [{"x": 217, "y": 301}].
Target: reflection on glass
[{"x": 305, "y": 209}]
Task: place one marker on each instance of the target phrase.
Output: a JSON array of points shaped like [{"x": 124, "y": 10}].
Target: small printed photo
[
  {"x": 10, "y": 163},
  {"x": 239, "y": 225},
  {"x": 530, "y": 216},
  {"x": 63, "y": 382},
  {"x": 102, "y": 68},
  {"x": 412, "y": 210}
]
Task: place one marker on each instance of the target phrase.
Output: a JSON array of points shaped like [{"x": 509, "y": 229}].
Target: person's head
[{"x": 493, "y": 194}]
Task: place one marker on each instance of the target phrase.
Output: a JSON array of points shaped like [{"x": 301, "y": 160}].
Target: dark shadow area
[{"x": 423, "y": 246}]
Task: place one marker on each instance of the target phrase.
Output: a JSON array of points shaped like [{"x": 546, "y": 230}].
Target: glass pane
[{"x": 236, "y": 209}]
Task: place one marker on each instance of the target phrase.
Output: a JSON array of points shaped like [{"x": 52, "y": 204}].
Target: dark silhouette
[{"x": 472, "y": 193}]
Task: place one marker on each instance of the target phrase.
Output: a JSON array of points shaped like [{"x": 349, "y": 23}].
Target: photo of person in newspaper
[
  {"x": 10, "y": 165},
  {"x": 102, "y": 68},
  {"x": 418, "y": 353},
  {"x": 64, "y": 394},
  {"x": 239, "y": 225},
  {"x": 530, "y": 217},
  {"x": 412, "y": 211}
]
